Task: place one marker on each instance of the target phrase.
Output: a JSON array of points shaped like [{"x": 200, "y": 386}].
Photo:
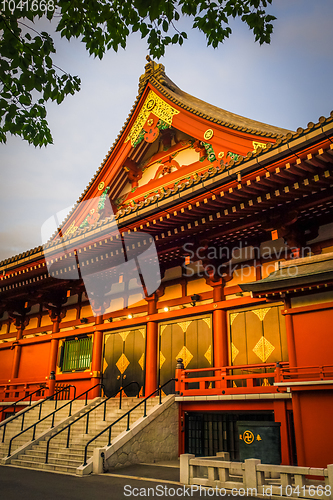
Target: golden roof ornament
[{"x": 152, "y": 70}]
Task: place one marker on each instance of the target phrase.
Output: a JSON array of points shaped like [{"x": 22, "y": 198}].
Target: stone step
[
  {"x": 62, "y": 459},
  {"x": 55, "y": 454},
  {"x": 34, "y": 465},
  {"x": 54, "y": 461}
]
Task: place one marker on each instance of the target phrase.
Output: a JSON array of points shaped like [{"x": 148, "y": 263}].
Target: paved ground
[{"x": 144, "y": 480}]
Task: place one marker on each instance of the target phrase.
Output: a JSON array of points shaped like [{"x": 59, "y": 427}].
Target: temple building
[{"x": 202, "y": 250}]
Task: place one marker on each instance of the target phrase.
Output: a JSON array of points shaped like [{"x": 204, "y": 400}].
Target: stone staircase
[
  {"x": 67, "y": 460},
  {"x": 13, "y": 426}
]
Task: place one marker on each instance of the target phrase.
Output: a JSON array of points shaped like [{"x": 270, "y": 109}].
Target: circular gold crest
[
  {"x": 208, "y": 134},
  {"x": 221, "y": 154},
  {"x": 101, "y": 186},
  {"x": 150, "y": 104},
  {"x": 150, "y": 122},
  {"x": 248, "y": 437}
]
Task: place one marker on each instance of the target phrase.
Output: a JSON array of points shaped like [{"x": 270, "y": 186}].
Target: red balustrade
[{"x": 247, "y": 379}]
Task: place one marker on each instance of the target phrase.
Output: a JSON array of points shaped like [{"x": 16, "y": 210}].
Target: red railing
[
  {"x": 307, "y": 373},
  {"x": 14, "y": 391},
  {"x": 238, "y": 379},
  {"x": 248, "y": 379}
]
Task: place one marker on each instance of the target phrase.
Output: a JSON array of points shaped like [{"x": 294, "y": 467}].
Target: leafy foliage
[{"x": 28, "y": 77}]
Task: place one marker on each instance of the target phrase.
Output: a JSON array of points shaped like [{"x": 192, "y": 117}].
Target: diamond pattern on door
[
  {"x": 162, "y": 359},
  {"x": 207, "y": 321},
  {"x": 186, "y": 355},
  {"x": 234, "y": 352},
  {"x": 162, "y": 328},
  {"x": 142, "y": 362},
  {"x": 233, "y": 316},
  {"x": 263, "y": 349},
  {"x": 122, "y": 363},
  {"x": 143, "y": 332},
  {"x": 124, "y": 335},
  {"x": 208, "y": 354},
  {"x": 184, "y": 325},
  {"x": 261, "y": 313}
]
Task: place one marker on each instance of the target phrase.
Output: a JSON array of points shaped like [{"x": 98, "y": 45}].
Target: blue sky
[{"x": 286, "y": 84}]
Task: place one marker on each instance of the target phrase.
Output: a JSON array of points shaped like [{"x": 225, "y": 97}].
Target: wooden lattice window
[{"x": 76, "y": 354}]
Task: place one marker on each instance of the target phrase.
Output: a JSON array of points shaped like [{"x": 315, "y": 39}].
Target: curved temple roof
[{"x": 156, "y": 74}]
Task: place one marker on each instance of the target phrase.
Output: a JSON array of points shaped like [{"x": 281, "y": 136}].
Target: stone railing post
[
  {"x": 330, "y": 480},
  {"x": 185, "y": 477},
  {"x": 250, "y": 473}
]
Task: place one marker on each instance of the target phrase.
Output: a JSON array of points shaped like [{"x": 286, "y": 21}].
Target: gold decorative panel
[
  {"x": 208, "y": 354},
  {"x": 162, "y": 328},
  {"x": 142, "y": 361},
  {"x": 105, "y": 365},
  {"x": 153, "y": 104},
  {"x": 184, "y": 325},
  {"x": 207, "y": 321},
  {"x": 186, "y": 355},
  {"x": 257, "y": 145},
  {"x": 122, "y": 363},
  {"x": 263, "y": 349},
  {"x": 143, "y": 332},
  {"x": 162, "y": 359},
  {"x": 124, "y": 335},
  {"x": 234, "y": 352},
  {"x": 233, "y": 316},
  {"x": 261, "y": 313}
]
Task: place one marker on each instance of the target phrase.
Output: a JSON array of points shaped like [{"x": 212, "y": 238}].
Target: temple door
[
  {"x": 190, "y": 340},
  {"x": 257, "y": 336},
  {"x": 124, "y": 361}
]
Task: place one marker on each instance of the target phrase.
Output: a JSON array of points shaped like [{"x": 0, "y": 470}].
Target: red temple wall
[
  {"x": 6, "y": 363},
  {"x": 313, "y": 333},
  {"x": 34, "y": 361},
  {"x": 317, "y": 432}
]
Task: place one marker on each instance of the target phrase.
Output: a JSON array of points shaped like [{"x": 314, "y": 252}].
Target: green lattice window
[{"x": 76, "y": 354}]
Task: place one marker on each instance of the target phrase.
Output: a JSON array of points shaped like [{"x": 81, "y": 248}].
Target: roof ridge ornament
[{"x": 152, "y": 70}]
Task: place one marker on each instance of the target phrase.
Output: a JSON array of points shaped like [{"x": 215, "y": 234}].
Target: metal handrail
[
  {"x": 52, "y": 414},
  {"x": 22, "y": 399},
  {"x": 68, "y": 426},
  {"x": 109, "y": 428},
  {"x": 4, "y": 423}
]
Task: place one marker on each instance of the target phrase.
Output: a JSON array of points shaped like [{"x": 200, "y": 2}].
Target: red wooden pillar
[
  {"x": 280, "y": 415},
  {"x": 96, "y": 361},
  {"x": 151, "y": 357},
  {"x": 151, "y": 348},
  {"x": 56, "y": 316},
  {"x": 290, "y": 338},
  {"x": 53, "y": 358},
  {"x": 16, "y": 362},
  {"x": 20, "y": 324},
  {"x": 220, "y": 336},
  {"x": 299, "y": 437}
]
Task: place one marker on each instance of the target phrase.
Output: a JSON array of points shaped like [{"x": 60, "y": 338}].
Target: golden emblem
[
  {"x": 208, "y": 134},
  {"x": 150, "y": 104},
  {"x": 257, "y": 145},
  {"x": 248, "y": 437},
  {"x": 158, "y": 107},
  {"x": 221, "y": 154},
  {"x": 101, "y": 186},
  {"x": 72, "y": 228}
]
